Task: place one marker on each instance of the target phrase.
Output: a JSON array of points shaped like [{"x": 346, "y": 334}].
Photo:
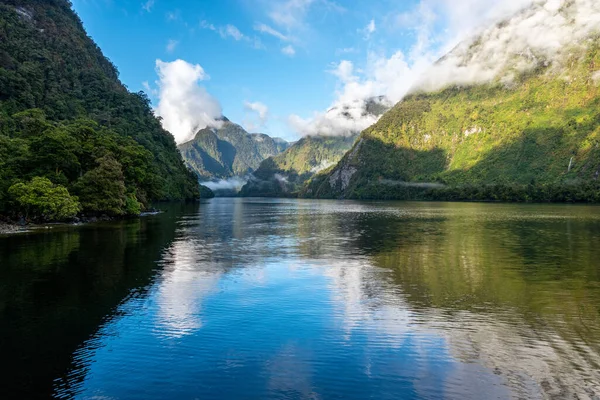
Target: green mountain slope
[
  {"x": 288, "y": 173},
  {"x": 534, "y": 137},
  {"x": 66, "y": 118},
  {"x": 285, "y": 174},
  {"x": 228, "y": 151}
]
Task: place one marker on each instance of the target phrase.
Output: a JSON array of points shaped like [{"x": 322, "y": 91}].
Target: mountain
[
  {"x": 228, "y": 151},
  {"x": 512, "y": 114},
  {"x": 72, "y": 138},
  {"x": 287, "y": 173}
]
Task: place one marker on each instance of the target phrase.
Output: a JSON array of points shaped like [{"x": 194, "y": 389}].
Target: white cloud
[
  {"x": 529, "y": 37},
  {"x": 293, "y": 14},
  {"x": 185, "y": 107},
  {"x": 171, "y": 45},
  {"x": 206, "y": 25},
  {"x": 369, "y": 29},
  {"x": 289, "y": 51},
  {"x": 290, "y": 14},
  {"x": 260, "y": 110},
  {"x": 232, "y": 184},
  {"x": 232, "y": 31},
  {"x": 344, "y": 71},
  {"x": 340, "y": 120},
  {"x": 264, "y": 28},
  {"x": 148, "y": 5},
  {"x": 537, "y": 35}
]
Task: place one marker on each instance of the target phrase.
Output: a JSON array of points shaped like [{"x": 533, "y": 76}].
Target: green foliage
[
  {"x": 206, "y": 193},
  {"x": 41, "y": 199},
  {"x": 228, "y": 151},
  {"x": 102, "y": 189},
  {"x": 132, "y": 205},
  {"x": 63, "y": 108},
  {"x": 286, "y": 174},
  {"x": 535, "y": 140}
]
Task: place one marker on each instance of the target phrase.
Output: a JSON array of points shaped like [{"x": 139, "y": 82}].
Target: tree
[
  {"x": 103, "y": 188},
  {"x": 41, "y": 199}
]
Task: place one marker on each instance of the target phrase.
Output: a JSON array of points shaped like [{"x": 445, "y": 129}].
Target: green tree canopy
[{"x": 42, "y": 199}]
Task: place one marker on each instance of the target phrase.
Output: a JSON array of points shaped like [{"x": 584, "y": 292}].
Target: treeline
[
  {"x": 72, "y": 138},
  {"x": 51, "y": 170},
  {"x": 581, "y": 192}
]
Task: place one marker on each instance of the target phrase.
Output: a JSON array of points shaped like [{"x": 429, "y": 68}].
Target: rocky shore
[{"x": 7, "y": 228}]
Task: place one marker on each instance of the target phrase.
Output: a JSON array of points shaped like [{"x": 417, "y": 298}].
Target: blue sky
[{"x": 294, "y": 57}]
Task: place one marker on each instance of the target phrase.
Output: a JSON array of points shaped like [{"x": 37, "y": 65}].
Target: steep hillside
[
  {"x": 67, "y": 121},
  {"x": 527, "y": 129},
  {"x": 284, "y": 175},
  {"x": 228, "y": 151},
  {"x": 287, "y": 173}
]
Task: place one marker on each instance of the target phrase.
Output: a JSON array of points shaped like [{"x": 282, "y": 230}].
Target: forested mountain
[
  {"x": 287, "y": 173},
  {"x": 228, "y": 151},
  {"x": 72, "y": 138},
  {"x": 284, "y": 175},
  {"x": 514, "y": 118}
]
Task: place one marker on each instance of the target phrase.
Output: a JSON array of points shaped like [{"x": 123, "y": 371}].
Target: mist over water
[
  {"x": 256, "y": 298},
  {"x": 228, "y": 186}
]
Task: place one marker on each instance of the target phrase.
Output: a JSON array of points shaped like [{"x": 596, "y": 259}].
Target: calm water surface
[{"x": 294, "y": 299}]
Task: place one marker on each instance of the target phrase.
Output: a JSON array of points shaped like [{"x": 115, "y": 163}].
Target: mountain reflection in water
[{"x": 258, "y": 298}]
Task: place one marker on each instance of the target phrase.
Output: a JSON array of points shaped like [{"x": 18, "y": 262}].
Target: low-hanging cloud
[
  {"x": 536, "y": 36},
  {"x": 532, "y": 32},
  {"x": 233, "y": 184},
  {"x": 340, "y": 120},
  {"x": 184, "y": 106}
]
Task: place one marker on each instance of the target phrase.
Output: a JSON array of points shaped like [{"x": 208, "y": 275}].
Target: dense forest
[
  {"x": 73, "y": 139},
  {"x": 533, "y": 138}
]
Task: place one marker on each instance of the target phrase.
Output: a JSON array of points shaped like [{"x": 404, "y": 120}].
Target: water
[{"x": 294, "y": 299}]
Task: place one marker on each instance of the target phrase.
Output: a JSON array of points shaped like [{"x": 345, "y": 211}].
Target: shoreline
[{"x": 10, "y": 228}]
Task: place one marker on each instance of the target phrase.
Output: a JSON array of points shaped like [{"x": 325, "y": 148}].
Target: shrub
[{"x": 41, "y": 199}]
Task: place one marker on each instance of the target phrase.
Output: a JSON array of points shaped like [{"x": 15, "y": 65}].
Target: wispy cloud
[
  {"x": 293, "y": 14},
  {"x": 171, "y": 45},
  {"x": 206, "y": 25},
  {"x": 345, "y": 50},
  {"x": 149, "y": 90},
  {"x": 264, "y": 28},
  {"x": 231, "y": 31},
  {"x": 260, "y": 110},
  {"x": 368, "y": 30},
  {"x": 147, "y": 6},
  {"x": 289, "y": 51},
  {"x": 172, "y": 15},
  {"x": 290, "y": 14}
]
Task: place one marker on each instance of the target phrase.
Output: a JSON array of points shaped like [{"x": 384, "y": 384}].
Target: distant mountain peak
[{"x": 228, "y": 150}]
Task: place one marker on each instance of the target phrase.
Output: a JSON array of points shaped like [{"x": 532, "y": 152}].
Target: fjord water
[{"x": 257, "y": 298}]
